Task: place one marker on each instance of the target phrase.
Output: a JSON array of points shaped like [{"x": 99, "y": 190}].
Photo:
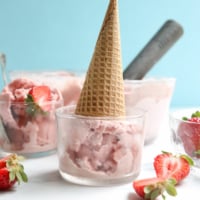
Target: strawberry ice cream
[
  {"x": 153, "y": 95},
  {"x": 69, "y": 84},
  {"x": 100, "y": 148},
  {"x": 28, "y": 127}
]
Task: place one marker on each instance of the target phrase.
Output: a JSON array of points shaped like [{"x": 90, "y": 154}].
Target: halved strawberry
[
  {"x": 40, "y": 94},
  {"x": 167, "y": 165},
  {"x": 38, "y": 100},
  {"x": 151, "y": 188},
  {"x": 11, "y": 171}
]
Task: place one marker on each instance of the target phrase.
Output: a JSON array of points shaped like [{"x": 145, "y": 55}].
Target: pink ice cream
[
  {"x": 154, "y": 96},
  {"x": 22, "y": 132},
  {"x": 69, "y": 84},
  {"x": 100, "y": 147}
]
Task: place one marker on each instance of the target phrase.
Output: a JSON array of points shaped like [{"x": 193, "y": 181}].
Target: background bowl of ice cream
[
  {"x": 27, "y": 118},
  {"x": 69, "y": 83},
  {"x": 153, "y": 95},
  {"x": 185, "y": 134},
  {"x": 99, "y": 150}
]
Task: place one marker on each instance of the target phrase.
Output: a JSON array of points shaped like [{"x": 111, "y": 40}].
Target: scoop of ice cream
[
  {"x": 101, "y": 148},
  {"x": 68, "y": 83},
  {"x": 153, "y": 95},
  {"x": 70, "y": 87},
  {"x": 22, "y": 131}
]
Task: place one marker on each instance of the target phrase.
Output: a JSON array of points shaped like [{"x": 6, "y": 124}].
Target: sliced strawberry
[
  {"x": 11, "y": 171},
  {"x": 38, "y": 100},
  {"x": 151, "y": 188},
  {"x": 167, "y": 165},
  {"x": 40, "y": 94}
]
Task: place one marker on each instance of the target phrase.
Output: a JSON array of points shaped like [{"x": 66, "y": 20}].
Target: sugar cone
[{"x": 103, "y": 89}]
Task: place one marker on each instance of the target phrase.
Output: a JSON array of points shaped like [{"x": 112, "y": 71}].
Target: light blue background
[{"x": 61, "y": 34}]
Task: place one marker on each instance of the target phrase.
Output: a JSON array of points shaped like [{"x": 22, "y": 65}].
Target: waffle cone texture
[{"x": 103, "y": 89}]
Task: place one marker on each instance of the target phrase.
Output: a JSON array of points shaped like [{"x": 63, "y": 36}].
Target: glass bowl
[
  {"x": 99, "y": 151},
  {"x": 185, "y": 135},
  {"x": 27, "y": 118}
]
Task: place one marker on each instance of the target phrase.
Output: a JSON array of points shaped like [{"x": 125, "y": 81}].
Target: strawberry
[
  {"x": 11, "y": 171},
  {"x": 40, "y": 94},
  {"x": 189, "y": 133},
  {"x": 3, "y": 162},
  {"x": 151, "y": 188},
  {"x": 38, "y": 100},
  {"x": 5, "y": 181},
  {"x": 167, "y": 165}
]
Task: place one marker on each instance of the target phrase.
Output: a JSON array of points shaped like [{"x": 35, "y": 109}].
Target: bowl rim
[{"x": 59, "y": 114}]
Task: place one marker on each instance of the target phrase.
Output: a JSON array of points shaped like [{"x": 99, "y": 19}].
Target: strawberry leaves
[
  {"x": 154, "y": 191},
  {"x": 194, "y": 117},
  {"x": 170, "y": 187},
  {"x": 11, "y": 171},
  {"x": 16, "y": 171},
  {"x": 196, "y": 114},
  {"x": 188, "y": 159}
]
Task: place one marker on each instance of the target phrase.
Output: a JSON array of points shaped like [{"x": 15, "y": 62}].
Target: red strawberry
[
  {"x": 40, "y": 94},
  {"x": 11, "y": 171},
  {"x": 151, "y": 188},
  {"x": 167, "y": 165},
  {"x": 189, "y": 133},
  {"x": 194, "y": 119},
  {"x": 38, "y": 100},
  {"x": 5, "y": 181},
  {"x": 3, "y": 162}
]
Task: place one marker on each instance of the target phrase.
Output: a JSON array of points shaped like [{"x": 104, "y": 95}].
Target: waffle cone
[{"x": 103, "y": 89}]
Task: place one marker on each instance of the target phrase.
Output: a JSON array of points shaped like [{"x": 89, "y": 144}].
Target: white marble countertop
[{"x": 45, "y": 181}]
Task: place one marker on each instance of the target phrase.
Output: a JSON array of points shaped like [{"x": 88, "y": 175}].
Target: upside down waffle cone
[{"x": 103, "y": 90}]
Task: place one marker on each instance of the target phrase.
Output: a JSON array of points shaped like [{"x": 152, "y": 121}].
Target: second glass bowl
[{"x": 185, "y": 135}]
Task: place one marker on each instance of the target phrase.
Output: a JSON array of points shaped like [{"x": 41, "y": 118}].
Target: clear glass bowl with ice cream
[
  {"x": 27, "y": 118},
  {"x": 100, "y": 150},
  {"x": 185, "y": 134},
  {"x": 153, "y": 95}
]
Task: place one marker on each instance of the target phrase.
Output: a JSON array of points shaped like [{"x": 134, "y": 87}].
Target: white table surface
[{"x": 45, "y": 181}]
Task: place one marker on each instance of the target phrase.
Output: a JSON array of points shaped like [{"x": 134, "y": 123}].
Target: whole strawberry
[
  {"x": 189, "y": 133},
  {"x": 11, "y": 172}
]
